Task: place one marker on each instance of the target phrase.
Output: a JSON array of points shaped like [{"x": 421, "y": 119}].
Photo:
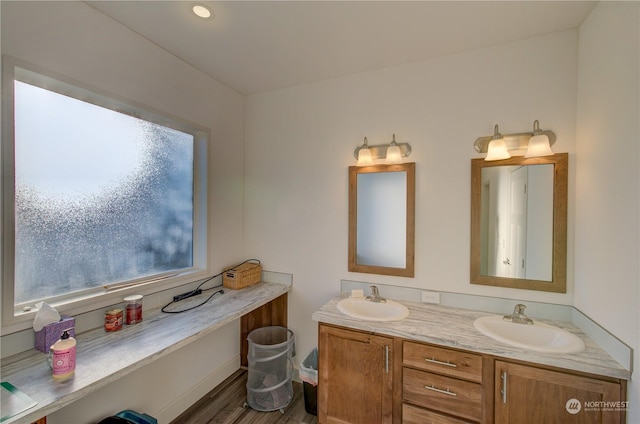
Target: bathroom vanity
[{"x": 435, "y": 367}]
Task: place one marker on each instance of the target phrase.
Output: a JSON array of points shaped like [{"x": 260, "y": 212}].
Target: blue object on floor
[{"x": 136, "y": 417}]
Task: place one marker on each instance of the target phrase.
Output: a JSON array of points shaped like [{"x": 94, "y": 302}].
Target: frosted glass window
[{"x": 101, "y": 197}]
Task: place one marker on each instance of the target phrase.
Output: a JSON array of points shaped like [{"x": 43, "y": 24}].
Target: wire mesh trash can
[{"x": 269, "y": 385}]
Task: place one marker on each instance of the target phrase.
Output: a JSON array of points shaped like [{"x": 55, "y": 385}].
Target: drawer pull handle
[
  {"x": 503, "y": 390},
  {"x": 435, "y": 361},
  {"x": 435, "y": 389},
  {"x": 386, "y": 359}
]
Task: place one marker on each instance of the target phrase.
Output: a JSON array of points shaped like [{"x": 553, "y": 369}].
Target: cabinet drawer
[
  {"x": 444, "y": 394},
  {"x": 414, "y": 415},
  {"x": 454, "y": 363}
]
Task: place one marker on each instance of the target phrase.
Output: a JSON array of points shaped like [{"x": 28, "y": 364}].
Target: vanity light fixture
[
  {"x": 497, "y": 147},
  {"x": 391, "y": 153},
  {"x": 539, "y": 144},
  {"x": 364, "y": 154},
  {"x": 202, "y": 11}
]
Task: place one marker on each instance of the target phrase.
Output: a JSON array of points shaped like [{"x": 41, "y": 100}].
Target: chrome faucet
[
  {"x": 375, "y": 296},
  {"x": 518, "y": 316}
]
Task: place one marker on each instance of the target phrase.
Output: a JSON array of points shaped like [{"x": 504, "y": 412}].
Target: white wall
[
  {"x": 73, "y": 39},
  {"x": 300, "y": 142},
  {"x": 607, "y": 253}
]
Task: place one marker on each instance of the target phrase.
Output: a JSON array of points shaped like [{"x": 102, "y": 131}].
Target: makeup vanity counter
[
  {"x": 106, "y": 357},
  {"x": 435, "y": 366}
]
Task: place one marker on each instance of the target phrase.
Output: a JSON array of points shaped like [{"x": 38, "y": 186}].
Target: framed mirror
[
  {"x": 519, "y": 223},
  {"x": 382, "y": 219}
]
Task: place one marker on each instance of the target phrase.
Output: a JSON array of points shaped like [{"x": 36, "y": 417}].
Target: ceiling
[{"x": 257, "y": 46}]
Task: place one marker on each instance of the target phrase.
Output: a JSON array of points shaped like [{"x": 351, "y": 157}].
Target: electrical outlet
[{"x": 430, "y": 297}]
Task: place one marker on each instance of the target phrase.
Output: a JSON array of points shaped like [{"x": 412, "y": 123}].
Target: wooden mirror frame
[
  {"x": 408, "y": 270},
  {"x": 558, "y": 283}
]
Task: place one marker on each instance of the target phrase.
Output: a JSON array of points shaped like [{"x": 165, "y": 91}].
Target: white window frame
[{"x": 20, "y": 317}]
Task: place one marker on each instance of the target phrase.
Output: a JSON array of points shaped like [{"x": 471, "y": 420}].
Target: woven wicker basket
[{"x": 241, "y": 276}]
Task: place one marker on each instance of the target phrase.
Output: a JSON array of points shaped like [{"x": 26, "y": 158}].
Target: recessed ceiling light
[{"x": 202, "y": 11}]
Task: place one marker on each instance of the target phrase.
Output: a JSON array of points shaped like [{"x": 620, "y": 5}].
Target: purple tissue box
[{"x": 50, "y": 333}]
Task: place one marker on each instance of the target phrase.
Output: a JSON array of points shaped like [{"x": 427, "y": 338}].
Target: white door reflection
[{"x": 517, "y": 222}]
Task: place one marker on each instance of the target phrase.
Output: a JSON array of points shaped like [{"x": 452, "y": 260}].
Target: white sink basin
[
  {"x": 373, "y": 311},
  {"x": 539, "y": 337}
]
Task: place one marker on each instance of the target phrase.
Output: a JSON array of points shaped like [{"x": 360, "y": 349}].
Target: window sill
[{"x": 105, "y": 357}]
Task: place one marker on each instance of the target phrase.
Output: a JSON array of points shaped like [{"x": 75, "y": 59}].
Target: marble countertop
[
  {"x": 105, "y": 357},
  {"x": 453, "y": 327}
]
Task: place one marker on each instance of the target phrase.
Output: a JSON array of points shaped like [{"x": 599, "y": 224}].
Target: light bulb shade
[
  {"x": 393, "y": 154},
  {"x": 364, "y": 157},
  {"x": 538, "y": 146},
  {"x": 497, "y": 150}
]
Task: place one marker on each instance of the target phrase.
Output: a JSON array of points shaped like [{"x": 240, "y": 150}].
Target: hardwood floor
[{"x": 225, "y": 405}]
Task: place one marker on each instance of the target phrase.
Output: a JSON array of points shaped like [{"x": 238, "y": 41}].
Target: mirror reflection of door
[
  {"x": 514, "y": 261},
  {"x": 542, "y": 242},
  {"x": 517, "y": 222}
]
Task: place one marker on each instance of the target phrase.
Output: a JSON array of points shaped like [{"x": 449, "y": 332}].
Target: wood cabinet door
[
  {"x": 535, "y": 396},
  {"x": 272, "y": 313},
  {"x": 354, "y": 377}
]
